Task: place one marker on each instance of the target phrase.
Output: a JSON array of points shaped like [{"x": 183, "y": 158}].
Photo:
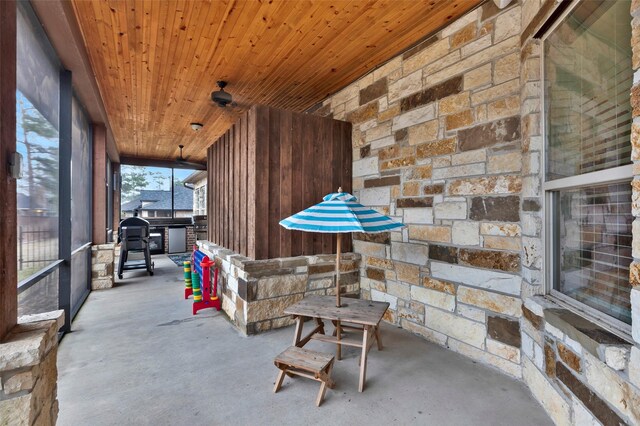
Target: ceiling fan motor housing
[{"x": 221, "y": 97}]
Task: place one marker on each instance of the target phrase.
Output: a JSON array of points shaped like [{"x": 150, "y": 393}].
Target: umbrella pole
[{"x": 338, "y": 269}]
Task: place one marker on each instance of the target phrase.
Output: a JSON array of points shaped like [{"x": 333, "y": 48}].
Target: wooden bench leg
[
  {"x": 298, "y": 332},
  {"x": 321, "y": 324},
  {"x": 279, "y": 380},
  {"x": 338, "y": 337},
  {"x": 363, "y": 358},
  {"x": 326, "y": 382},
  {"x": 377, "y": 331}
]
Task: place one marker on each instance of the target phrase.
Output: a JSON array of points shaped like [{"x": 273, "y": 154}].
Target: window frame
[{"x": 550, "y": 191}]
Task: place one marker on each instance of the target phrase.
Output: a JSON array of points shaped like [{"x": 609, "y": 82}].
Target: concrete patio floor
[{"x": 137, "y": 356}]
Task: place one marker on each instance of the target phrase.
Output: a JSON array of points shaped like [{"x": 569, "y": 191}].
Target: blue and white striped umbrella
[
  {"x": 336, "y": 214},
  {"x": 339, "y": 212}
]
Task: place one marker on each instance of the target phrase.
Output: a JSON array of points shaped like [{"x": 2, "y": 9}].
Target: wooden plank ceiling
[{"x": 157, "y": 62}]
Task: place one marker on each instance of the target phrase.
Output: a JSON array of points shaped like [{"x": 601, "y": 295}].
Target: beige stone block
[
  {"x": 399, "y": 290},
  {"x": 504, "y": 163},
  {"x": 481, "y": 43},
  {"x": 102, "y": 283},
  {"x": 389, "y": 112},
  {"x": 486, "y": 185},
  {"x": 16, "y": 411},
  {"x": 23, "y": 349},
  {"x": 387, "y": 68},
  {"x": 405, "y": 86},
  {"x": 465, "y": 233},
  {"x": 432, "y": 149},
  {"x": 464, "y": 36},
  {"x": 349, "y": 92},
  {"x": 502, "y": 108},
  {"x": 454, "y": 104},
  {"x": 503, "y": 351},
  {"x": 634, "y": 366},
  {"x": 506, "y": 68},
  {"x": 459, "y": 328},
  {"x": 411, "y": 188},
  {"x": 438, "y": 285},
  {"x": 378, "y": 132},
  {"x": 481, "y": 113},
  {"x": 270, "y": 308},
  {"x": 413, "y": 117},
  {"x": 468, "y": 157},
  {"x": 501, "y": 229},
  {"x": 435, "y": 233},
  {"x": 553, "y": 402},
  {"x": 531, "y": 70},
  {"x": 458, "y": 171},
  {"x": 433, "y": 298},
  {"x": 458, "y": 120},
  {"x": 369, "y": 249},
  {"x": 407, "y": 272},
  {"x": 463, "y": 21},
  {"x": 502, "y": 243},
  {"x": 427, "y": 333},
  {"x": 478, "y": 77},
  {"x": 19, "y": 382},
  {"x": 435, "y": 51},
  {"x": 104, "y": 256},
  {"x": 424, "y": 132},
  {"x": 507, "y": 24},
  {"x": 471, "y": 312},
  {"x": 380, "y": 263},
  {"x": 511, "y": 87},
  {"x": 494, "y": 302},
  {"x": 529, "y": 10}
]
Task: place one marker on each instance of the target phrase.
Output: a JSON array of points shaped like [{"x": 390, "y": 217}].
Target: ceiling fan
[
  {"x": 183, "y": 161},
  {"x": 222, "y": 98}
]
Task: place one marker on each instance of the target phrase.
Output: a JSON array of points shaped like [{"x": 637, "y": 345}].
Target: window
[
  {"x": 148, "y": 192},
  {"x": 587, "y": 80},
  {"x": 37, "y": 139}
]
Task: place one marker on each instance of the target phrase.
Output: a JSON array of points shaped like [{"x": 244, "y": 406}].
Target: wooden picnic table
[{"x": 354, "y": 314}]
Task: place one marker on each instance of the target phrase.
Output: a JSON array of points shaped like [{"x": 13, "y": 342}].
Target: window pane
[
  {"x": 595, "y": 247},
  {"x": 588, "y": 76},
  {"x": 81, "y": 177},
  {"x": 37, "y": 115},
  {"x": 185, "y": 202}
]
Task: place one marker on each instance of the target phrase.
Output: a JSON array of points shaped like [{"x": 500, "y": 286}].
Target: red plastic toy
[{"x": 202, "y": 265}]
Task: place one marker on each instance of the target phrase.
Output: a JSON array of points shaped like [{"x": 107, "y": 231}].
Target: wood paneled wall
[
  {"x": 8, "y": 260},
  {"x": 99, "y": 184},
  {"x": 269, "y": 165}
]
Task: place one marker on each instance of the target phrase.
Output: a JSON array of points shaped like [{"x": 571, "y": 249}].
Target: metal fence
[{"x": 37, "y": 247}]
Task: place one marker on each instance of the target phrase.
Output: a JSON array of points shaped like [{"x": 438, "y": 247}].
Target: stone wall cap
[
  {"x": 591, "y": 336},
  {"x": 23, "y": 349},
  {"x": 57, "y": 316}
]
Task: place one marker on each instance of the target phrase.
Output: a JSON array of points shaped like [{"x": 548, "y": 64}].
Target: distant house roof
[
  {"x": 161, "y": 200},
  {"x": 196, "y": 176}
]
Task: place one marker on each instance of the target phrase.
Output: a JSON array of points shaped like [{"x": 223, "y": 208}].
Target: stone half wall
[
  {"x": 447, "y": 137},
  {"x": 255, "y": 293},
  {"x": 28, "y": 371}
]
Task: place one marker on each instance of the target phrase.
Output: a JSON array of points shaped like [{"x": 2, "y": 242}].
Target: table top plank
[{"x": 357, "y": 311}]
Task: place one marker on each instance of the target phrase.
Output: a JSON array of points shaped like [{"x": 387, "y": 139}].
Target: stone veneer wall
[
  {"x": 103, "y": 262},
  {"x": 254, "y": 293},
  {"x": 447, "y": 138},
  {"x": 28, "y": 371}
]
